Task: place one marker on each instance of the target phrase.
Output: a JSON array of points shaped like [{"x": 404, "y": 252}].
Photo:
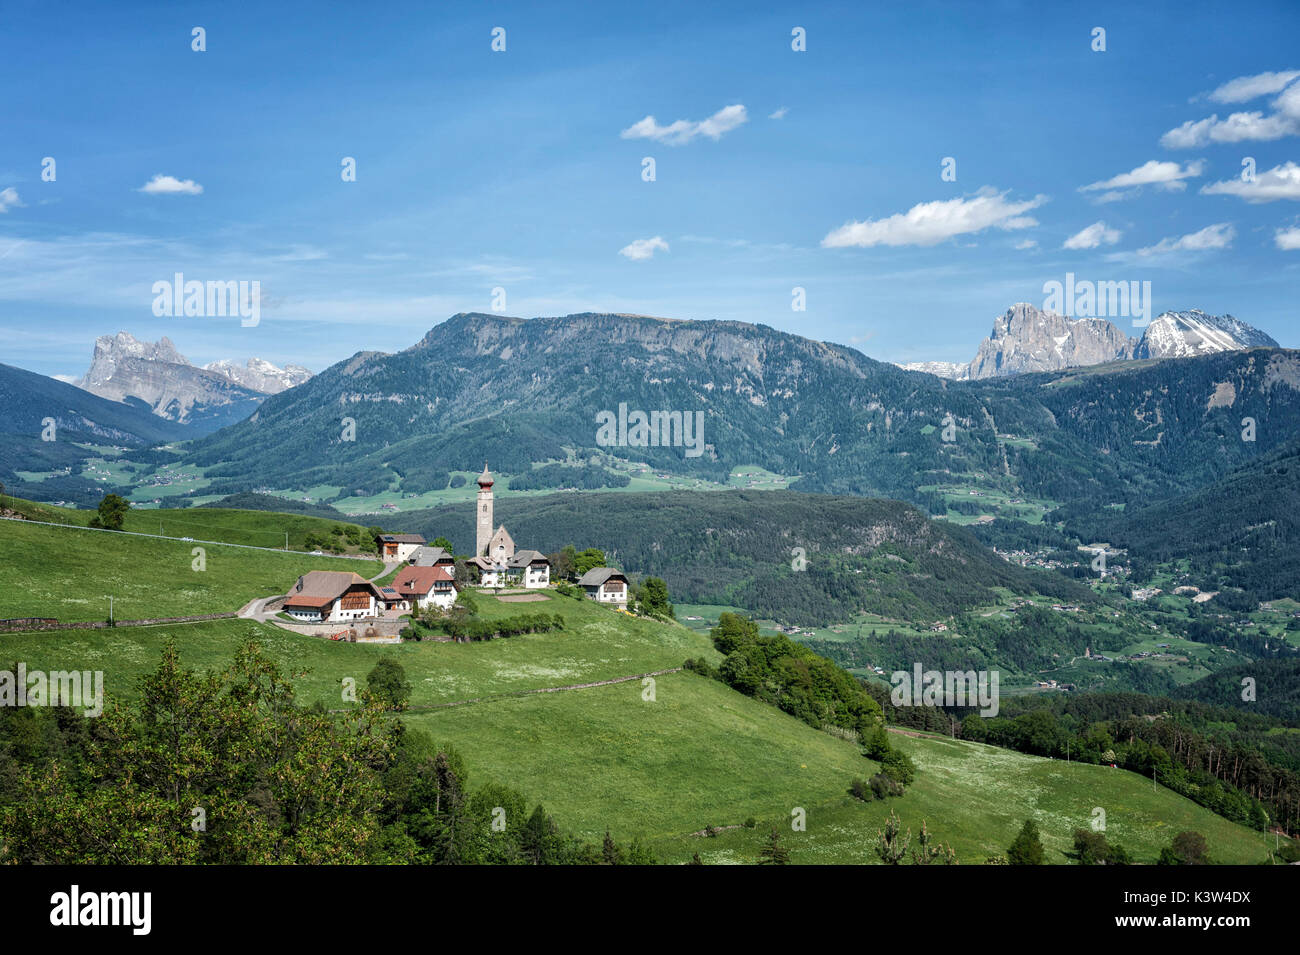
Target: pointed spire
[{"x": 485, "y": 479}]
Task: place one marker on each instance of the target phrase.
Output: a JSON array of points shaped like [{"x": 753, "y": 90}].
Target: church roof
[{"x": 485, "y": 479}]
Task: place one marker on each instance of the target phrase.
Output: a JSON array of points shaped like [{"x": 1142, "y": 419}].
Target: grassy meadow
[{"x": 70, "y": 572}]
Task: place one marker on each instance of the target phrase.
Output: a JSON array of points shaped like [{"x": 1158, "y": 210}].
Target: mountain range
[
  {"x": 1028, "y": 339},
  {"x": 157, "y": 376},
  {"x": 526, "y": 392}
]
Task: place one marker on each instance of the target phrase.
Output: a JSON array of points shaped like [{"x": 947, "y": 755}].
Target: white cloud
[
  {"x": 1253, "y": 126},
  {"x": 1218, "y": 236},
  {"x": 161, "y": 185},
  {"x": 1245, "y": 88},
  {"x": 1288, "y": 240},
  {"x": 643, "y": 248},
  {"x": 9, "y": 199},
  {"x": 1094, "y": 235},
  {"x": 685, "y": 130},
  {"x": 929, "y": 223},
  {"x": 779, "y": 114},
  {"x": 1280, "y": 182},
  {"x": 1024, "y": 244},
  {"x": 1163, "y": 175}
]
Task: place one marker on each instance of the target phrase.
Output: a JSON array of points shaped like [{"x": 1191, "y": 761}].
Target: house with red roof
[{"x": 421, "y": 587}]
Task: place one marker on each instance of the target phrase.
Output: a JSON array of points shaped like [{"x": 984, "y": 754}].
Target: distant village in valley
[{"x": 431, "y": 580}]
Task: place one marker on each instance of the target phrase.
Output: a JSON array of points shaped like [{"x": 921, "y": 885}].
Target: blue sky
[{"x": 522, "y": 169}]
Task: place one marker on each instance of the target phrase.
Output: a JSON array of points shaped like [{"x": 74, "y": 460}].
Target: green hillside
[
  {"x": 227, "y": 525},
  {"x": 51, "y": 430},
  {"x": 697, "y": 755},
  {"x": 70, "y": 572}
]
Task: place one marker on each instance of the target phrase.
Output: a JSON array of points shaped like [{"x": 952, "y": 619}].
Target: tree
[
  {"x": 589, "y": 558},
  {"x": 1027, "y": 849},
  {"x": 924, "y": 854},
  {"x": 773, "y": 853},
  {"x": 443, "y": 543},
  {"x": 387, "y": 681},
  {"x": 111, "y": 513},
  {"x": 1091, "y": 847},
  {"x": 610, "y": 853},
  {"x": 892, "y": 842},
  {"x": 1188, "y": 848},
  {"x": 653, "y": 598}
]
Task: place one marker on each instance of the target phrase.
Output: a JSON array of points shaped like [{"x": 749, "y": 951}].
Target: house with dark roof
[
  {"x": 333, "y": 596},
  {"x": 430, "y": 556},
  {"x": 605, "y": 585},
  {"x": 398, "y": 546}
]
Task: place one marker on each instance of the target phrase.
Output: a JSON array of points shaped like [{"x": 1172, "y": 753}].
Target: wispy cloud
[
  {"x": 161, "y": 185},
  {"x": 929, "y": 223},
  {"x": 684, "y": 130},
  {"x": 778, "y": 114},
  {"x": 9, "y": 199},
  {"x": 1218, "y": 236},
  {"x": 1246, "y": 88},
  {"x": 1090, "y": 238},
  {"x": 1280, "y": 182},
  {"x": 1288, "y": 240},
  {"x": 640, "y": 249},
  {"x": 1168, "y": 176}
]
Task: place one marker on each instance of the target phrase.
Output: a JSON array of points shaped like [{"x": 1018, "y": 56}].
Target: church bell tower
[{"x": 483, "y": 525}]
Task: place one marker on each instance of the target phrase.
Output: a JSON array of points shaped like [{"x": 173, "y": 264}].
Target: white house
[
  {"x": 605, "y": 585},
  {"x": 332, "y": 596},
  {"x": 422, "y": 587},
  {"x": 398, "y": 546}
]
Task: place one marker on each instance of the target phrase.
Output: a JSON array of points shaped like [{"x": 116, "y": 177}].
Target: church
[{"x": 494, "y": 550}]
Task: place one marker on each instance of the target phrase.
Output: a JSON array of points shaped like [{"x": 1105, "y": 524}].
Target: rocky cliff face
[
  {"x": 160, "y": 377},
  {"x": 1026, "y": 339}
]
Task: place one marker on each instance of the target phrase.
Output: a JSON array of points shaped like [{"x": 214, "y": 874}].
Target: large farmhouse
[
  {"x": 333, "y": 596},
  {"x": 605, "y": 585}
]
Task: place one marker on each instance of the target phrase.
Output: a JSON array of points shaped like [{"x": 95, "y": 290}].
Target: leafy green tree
[
  {"x": 587, "y": 559},
  {"x": 653, "y": 598},
  {"x": 899, "y": 767},
  {"x": 1026, "y": 849},
  {"x": 111, "y": 512},
  {"x": 773, "y": 853},
  {"x": 1188, "y": 848},
  {"x": 444, "y": 543},
  {"x": 1091, "y": 847},
  {"x": 387, "y": 681}
]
